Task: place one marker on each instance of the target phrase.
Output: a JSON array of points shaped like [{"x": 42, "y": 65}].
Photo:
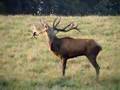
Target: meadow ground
[{"x": 28, "y": 64}]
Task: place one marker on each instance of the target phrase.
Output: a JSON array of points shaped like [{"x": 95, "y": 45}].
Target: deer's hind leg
[{"x": 93, "y": 61}]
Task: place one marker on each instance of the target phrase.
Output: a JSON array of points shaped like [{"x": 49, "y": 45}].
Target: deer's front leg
[{"x": 64, "y": 61}]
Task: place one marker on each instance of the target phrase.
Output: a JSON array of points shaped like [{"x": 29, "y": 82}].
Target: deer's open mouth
[{"x": 35, "y": 34}]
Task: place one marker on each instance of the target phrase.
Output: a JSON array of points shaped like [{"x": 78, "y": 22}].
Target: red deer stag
[{"x": 68, "y": 47}]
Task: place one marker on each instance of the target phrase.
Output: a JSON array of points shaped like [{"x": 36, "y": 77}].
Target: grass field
[{"x": 28, "y": 64}]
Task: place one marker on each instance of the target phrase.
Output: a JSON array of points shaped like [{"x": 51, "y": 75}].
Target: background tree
[{"x": 60, "y": 7}]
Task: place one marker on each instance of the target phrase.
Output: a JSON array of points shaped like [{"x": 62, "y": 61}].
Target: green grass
[{"x": 28, "y": 64}]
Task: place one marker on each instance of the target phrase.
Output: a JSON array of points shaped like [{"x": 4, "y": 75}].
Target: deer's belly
[
  {"x": 74, "y": 54},
  {"x": 71, "y": 54}
]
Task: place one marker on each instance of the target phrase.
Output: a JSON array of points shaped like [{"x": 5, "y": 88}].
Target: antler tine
[
  {"x": 42, "y": 22},
  {"x": 58, "y": 21},
  {"x": 73, "y": 26},
  {"x": 54, "y": 22},
  {"x": 67, "y": 26}
]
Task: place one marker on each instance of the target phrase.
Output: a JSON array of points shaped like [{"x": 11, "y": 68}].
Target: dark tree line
[{"x": 60, "y": 7}]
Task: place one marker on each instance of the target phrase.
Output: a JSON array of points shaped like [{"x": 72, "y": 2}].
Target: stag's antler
[
  {"x": 56, "y": 24},
  {"x": 43, "y": 23},
  {"x": 67, "y": 28}
]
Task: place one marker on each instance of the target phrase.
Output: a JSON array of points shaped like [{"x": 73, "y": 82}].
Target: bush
[{"x": 2, "y": 8}]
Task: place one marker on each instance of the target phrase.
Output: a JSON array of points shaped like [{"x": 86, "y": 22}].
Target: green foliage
[
  {"x": 2, "y": 7},
  {"x": 61, "y": 7}
]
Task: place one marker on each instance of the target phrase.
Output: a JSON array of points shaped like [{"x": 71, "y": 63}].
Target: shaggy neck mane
[{"x": 51, "y": 37}]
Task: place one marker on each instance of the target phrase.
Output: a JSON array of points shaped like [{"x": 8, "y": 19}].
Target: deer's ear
[
  {"x": 43, "y": 23},
  {"x": 46, "y": 25}
]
